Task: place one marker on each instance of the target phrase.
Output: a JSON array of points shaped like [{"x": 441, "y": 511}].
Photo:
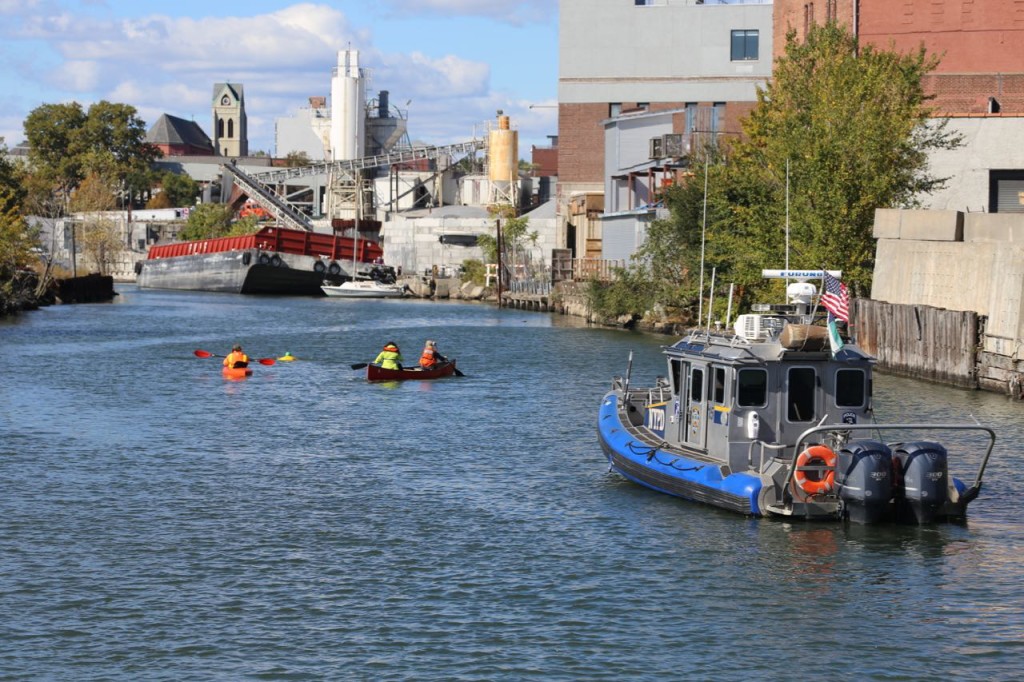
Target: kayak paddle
[{"x": 207, "y": 354}]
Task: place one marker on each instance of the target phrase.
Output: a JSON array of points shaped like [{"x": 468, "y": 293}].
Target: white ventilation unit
[
  {"x": 657, "y": 148},
  {"x": 675, "y": 144},
  {"x": 758, "y": 327}
]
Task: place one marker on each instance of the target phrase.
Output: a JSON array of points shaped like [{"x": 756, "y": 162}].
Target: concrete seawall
[{"x": 929, "y": 263}]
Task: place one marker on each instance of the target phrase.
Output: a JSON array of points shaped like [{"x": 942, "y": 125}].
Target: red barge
[{"x": 275, "y": 260}]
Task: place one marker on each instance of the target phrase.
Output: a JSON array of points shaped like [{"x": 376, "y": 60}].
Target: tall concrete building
[
  {"x": 230, "y": 130},
  {"x": 695, "y": 63}
]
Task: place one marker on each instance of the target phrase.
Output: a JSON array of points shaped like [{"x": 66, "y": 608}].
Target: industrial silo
[
  {"x": 348, "y": 98},
  {"x": 503, "y": 162}
]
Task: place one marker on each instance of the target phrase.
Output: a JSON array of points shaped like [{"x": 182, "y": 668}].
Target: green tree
[
  {"x": 10, "y": 180},
  {"x": 851, "y": 130},
  {"x": 180, "y": 190},
  {"x": 66, "y": 143},
  {"x": 207, "y": 221},
  {"x": 854, "y": 128}
]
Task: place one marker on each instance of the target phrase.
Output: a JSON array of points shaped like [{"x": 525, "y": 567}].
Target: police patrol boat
[{"x": 775, "y": 419}]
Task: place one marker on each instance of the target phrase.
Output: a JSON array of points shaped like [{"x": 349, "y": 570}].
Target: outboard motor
[
  {"x": 924, "y": 475},
  {"x": 864, "y": 480}
]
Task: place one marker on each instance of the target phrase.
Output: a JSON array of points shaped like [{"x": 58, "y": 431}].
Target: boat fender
[
  {"x": 319, "y": 267},
  {"x": 246, "y": 258},
  {"x": 816, "y": 456},
  {"x": 264, "y": 259},
  {"x": 276, "y": 261},
  {"x": 334, "y": 269}
]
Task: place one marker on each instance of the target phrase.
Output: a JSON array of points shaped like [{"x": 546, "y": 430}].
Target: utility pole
[{"x": 501, "y": 272}]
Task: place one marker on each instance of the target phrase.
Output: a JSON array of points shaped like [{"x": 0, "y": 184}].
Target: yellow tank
[{"x": 503, "y": 153}]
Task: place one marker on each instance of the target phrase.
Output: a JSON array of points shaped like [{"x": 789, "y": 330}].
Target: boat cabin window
[
  {"x": 752, "y": 388},
  {"x": 697, "y": 385},
  {"x": 719, "y": 374},
  {"x": 850, "y": 387},
  {"x": 676, "y": 368},
  {"x": 801, "y": 391}
]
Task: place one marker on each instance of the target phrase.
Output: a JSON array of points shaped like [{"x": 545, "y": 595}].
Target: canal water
[{"x": 158, "y": 522}]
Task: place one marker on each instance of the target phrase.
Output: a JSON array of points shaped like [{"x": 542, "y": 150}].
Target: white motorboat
[{"x": 369, "y": 288}]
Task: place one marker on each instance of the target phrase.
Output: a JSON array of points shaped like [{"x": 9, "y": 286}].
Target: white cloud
[
  {"x": 164, "y": 64},
  {"x": 509, "y": 11},
  {"x": 79, "y": 75}
]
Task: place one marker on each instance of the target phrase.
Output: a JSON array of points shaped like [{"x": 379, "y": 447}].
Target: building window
[
  {"x": 1006, "y": 191},
  {"x": 231, "y": 127},
  {"x": 744, "y": 45},
  {"x": 643, "y": 105},
  {"x": 639, "y": 3},
  {"x": 808, "y": 17},
  {"x": 831, "y": 13},
  {"x": 614, "y": 109}
]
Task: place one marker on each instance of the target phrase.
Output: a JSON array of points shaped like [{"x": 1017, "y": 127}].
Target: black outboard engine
[
  {"x": 923, "y": 480},
  {"x": 864, "y": 480}
]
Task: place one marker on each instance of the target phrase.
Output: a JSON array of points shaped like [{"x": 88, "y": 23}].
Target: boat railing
[
  {"x": 843, "y": 434},
  {"x": 762, "y": 446},
  {"x": 659, "y": 393}
]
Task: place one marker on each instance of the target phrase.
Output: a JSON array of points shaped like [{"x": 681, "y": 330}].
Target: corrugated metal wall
[{"x": 919, "y": 341}]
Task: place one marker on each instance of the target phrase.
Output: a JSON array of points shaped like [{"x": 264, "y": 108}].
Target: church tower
[{"x": 230, "y": 136}]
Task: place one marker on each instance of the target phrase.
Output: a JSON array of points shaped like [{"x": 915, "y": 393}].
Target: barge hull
[{"x": 247, "y": 271}]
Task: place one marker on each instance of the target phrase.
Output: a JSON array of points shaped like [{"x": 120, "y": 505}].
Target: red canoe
[{"x": 376, "y": 373}]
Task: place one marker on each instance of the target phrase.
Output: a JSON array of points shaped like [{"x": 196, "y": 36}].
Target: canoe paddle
[{"x": 207, "y": 354}]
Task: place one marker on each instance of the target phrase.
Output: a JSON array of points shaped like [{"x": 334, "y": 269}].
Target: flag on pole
[
  {"x": 836, "y": 298},
  {"x": 834, "y": 340}
]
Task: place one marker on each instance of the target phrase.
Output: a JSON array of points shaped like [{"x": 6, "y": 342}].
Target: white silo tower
[{"x": 348, "y": 101}]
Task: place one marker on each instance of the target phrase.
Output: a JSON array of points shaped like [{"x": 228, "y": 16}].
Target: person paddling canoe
[
  {"x": 236, "y": 358},
  {"x": 431, "y": 357},
  {"x": 390, "y": 357}
]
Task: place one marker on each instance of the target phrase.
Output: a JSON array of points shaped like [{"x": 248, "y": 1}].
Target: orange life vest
[
  {"x": 235, "y": 357},
  {"x": 428, "y": 359}
]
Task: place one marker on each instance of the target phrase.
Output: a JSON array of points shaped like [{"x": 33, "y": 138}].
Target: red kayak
[
  {"x": 377, "y": 373},
  {"x": 237, "y": 372}
]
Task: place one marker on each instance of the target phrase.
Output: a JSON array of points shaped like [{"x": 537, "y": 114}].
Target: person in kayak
[
  {"x": 236, "y": 358},
  {"x": 390, "y": 357},
  {"x": 431, "y": 357}
]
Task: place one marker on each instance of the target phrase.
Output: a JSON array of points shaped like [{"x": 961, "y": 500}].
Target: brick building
[
  {"x": 622, "y": 58},
  {"x": 978, "y": 86}
]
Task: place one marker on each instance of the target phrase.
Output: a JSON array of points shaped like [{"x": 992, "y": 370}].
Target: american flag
[{"x": 836, "y": 298}]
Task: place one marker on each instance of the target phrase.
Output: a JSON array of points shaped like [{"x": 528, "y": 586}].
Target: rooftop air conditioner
[
  {"x": 675, "y": 144},
  {"x": 757, "y": 327},
  {"x": 657, "y": 148}
]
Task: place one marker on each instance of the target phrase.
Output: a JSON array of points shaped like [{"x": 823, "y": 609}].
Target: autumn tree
[
  {"x": 98, "y": 235},
  {"x": 297, "y": 159}
]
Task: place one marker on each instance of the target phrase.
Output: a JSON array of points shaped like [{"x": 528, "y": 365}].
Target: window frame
[{"x": 744, "y": 35}]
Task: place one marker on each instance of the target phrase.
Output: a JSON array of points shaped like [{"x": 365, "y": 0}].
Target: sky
[{"x": 451, "y": 64}]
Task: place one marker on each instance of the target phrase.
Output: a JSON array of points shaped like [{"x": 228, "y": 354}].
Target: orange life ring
[{"x": 816, "y": 455}]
